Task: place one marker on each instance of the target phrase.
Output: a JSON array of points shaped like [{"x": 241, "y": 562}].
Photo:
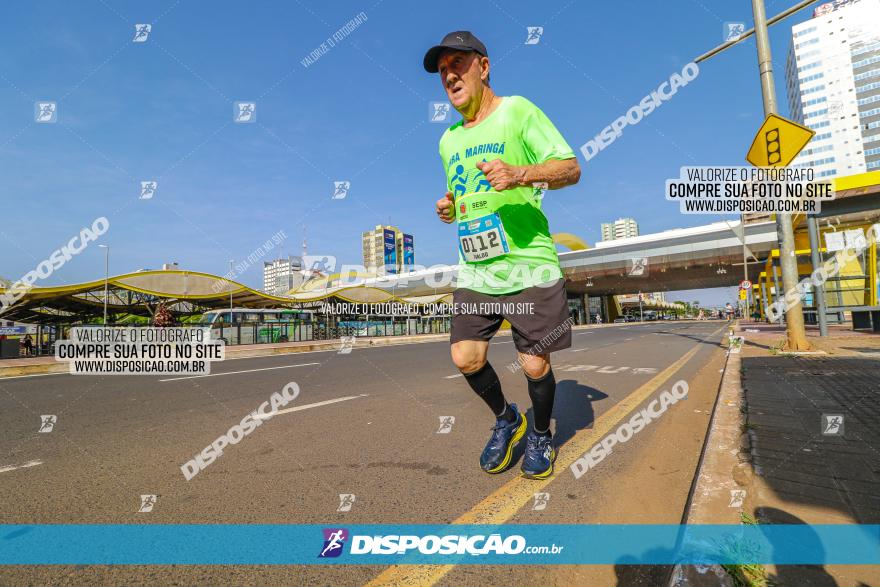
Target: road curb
[
  {"x": 709, "y": 500},
  {"x": 38, "y": 369}
]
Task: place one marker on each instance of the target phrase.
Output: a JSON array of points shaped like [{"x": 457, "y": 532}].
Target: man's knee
[
  {"x": 468, "y": 358},
  {"x": 536, "y": 366}
]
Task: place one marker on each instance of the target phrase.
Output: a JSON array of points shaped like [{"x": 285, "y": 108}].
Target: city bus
[{"x": 252, "y": 326}]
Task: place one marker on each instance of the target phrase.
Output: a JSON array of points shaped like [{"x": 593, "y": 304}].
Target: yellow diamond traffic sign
[{"x": 778, "y": 142}]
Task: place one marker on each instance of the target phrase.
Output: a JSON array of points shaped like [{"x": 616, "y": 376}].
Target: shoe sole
[
  {"x": 546, "y": 473},
  {"x": 520, "y": 432}
]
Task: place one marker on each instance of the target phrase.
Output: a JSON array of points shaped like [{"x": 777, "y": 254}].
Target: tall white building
[
  {"x": 282, "y": 275},
  {"x": 620, "y": 228},
  {"x": 833, "y": 82},
  {"x": 373, "y": 246}
]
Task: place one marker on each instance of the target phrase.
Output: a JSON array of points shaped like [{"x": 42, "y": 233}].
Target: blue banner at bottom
[{"x": 276, "y": 544}]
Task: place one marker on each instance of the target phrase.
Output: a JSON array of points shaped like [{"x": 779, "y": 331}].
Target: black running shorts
[{"x": 538, "y": 316}]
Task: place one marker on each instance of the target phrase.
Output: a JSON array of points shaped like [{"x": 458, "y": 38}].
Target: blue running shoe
[
  {"x": 539, "y": 456},
  {"x": 499, "y": 450}
]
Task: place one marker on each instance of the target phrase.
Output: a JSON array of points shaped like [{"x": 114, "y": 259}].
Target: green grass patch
[{"x": 747, "y": 575}]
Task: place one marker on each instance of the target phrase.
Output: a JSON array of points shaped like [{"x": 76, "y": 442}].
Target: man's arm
[{"x": 556, "y": 173}]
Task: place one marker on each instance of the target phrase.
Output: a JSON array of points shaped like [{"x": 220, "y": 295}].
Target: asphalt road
[{"x": 365, "y": 423}]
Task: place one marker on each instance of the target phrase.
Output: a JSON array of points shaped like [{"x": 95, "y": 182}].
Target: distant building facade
[
  {"x": 620, "y": 228},
  {"x": 833, "y": 83}
]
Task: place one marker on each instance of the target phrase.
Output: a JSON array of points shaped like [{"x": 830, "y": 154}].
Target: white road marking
[
  {"x": 8, "y": 468},
  {"x": 577, "y": 350},
  {"x": 453, "y": 376},
  {"x": 307, "y": 406},
  {"x": 505, "y": 342},
  {"x": 608, "y": 369},
  {"x": 237, "y": 372}
]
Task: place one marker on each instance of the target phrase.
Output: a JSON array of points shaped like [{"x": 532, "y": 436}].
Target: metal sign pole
[{"x": 794, "y": 315}]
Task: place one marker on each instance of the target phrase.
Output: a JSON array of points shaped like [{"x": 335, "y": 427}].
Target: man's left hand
[{"x": 501, "y": 175}]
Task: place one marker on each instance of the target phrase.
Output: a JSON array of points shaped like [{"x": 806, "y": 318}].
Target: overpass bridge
[
  {"x": 689, "y": 258},
  {"x": 685, "y": 258}
]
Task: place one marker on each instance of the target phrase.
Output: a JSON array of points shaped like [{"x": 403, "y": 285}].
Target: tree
[{"x": 163, "y": 316}]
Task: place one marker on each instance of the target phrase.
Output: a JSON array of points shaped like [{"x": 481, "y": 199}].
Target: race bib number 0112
[{"x": 482, "y": 238}]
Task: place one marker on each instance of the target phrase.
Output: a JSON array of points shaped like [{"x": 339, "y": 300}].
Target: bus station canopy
[{"x": 187, "y": 292}]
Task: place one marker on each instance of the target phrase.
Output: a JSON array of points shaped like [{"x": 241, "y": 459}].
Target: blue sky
[{"x": 162, "y": 110}]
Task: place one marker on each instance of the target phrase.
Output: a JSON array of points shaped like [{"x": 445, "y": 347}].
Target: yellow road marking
[{"x": 502, "y": 504}]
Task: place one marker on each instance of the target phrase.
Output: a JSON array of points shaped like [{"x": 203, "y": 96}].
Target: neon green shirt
[{"x": 518, "y": 133}]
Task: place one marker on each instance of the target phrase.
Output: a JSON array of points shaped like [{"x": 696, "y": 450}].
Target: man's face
[{"x": 460, "y": 73}]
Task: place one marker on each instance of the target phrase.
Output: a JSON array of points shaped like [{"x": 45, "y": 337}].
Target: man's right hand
[{"x": 444, "y": 208}]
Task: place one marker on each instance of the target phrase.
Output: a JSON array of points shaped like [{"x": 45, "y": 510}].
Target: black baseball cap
[{"x": 458, "y": 41}]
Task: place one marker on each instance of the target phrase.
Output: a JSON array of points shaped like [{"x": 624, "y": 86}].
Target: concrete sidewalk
[
  {"x": 795, "y": 439},
  {"x": 814, "y": 426}
]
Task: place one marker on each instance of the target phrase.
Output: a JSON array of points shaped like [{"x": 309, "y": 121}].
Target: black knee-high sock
[
  {"x": 542, "y": 391},
  {"x": 485, "y": 383}
]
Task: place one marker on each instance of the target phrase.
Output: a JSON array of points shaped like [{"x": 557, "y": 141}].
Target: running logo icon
[
  {"x": 340, "y": 189},
  {"x": 533, "y": 34},
  {"x": 346, "y": 343},
  {"x": 446, "y": 423},
  {"x": 47, "y": 422},
  {"x": 638, "y": 266},
  {"x": 834, "y": 108},
  {"x": 540, "y": 187},
  {"x": 148, "y": 190},
  {"x": 346, "y": 500},
  {"x": 832, "y": 424},
  {"x": 45, "y": 112},
  {"x": 334, "y": 541},
  {"x": 245, "y": 112},
  {"x": 737, "y": 497},
  {"x": 141, "y": 33},
  {"x": 319, "y": 263},
  {"x": 541, "y": 501},
  {"x": 439, "y": 111},
  {"x": 147, "y": 503},
  {"x": 733, "y": 30},
  {"x": 735, "y": 344}
]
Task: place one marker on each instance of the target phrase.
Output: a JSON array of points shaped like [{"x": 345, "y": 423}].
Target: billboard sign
[
  {"x": 830, "y": 7},
  {"x": 12, "y": 330},
  {"x": 390, "y": 251},
  {"x": 409, "y": 251}
]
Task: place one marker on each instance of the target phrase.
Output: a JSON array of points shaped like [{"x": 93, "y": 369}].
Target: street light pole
[
  {"x": 818, "y": 288},
  {"x": 106, "y": 278},
  {"x": 794, "y": 316},
  {"x": 742, "y": 225},
  {"x": 231, "y": 261}
]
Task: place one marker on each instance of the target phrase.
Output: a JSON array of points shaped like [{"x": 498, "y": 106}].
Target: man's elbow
[{"x": 574, "y": 172}]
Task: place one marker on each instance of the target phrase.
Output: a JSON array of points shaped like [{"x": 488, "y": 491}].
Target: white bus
[{"x": 252, "y": 326}]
